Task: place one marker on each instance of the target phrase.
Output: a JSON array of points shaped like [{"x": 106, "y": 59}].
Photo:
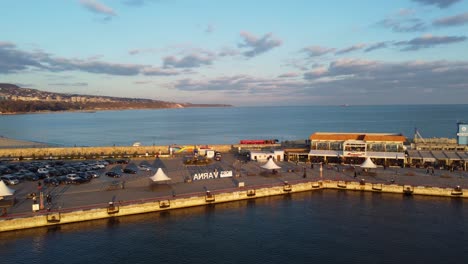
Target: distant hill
[{"x": 15, "y": 99}]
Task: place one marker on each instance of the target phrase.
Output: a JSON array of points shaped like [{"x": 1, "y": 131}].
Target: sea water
[
  {"x": 326, "y": 226},
  {"x": 228, "y": 125}
]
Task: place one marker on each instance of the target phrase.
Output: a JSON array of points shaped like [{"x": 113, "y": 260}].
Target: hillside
[{"x": 14, "y": 99}]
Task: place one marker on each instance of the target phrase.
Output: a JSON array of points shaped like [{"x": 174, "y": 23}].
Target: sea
[{"x": 326, "y": 226}]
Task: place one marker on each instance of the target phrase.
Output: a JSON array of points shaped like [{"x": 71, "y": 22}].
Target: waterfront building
[{"x": 353, "y": 148}]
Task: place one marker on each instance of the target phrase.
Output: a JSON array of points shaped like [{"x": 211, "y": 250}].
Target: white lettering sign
[
  {"x": 225, "y": 174},
  {"x": 211, "y": 175}
]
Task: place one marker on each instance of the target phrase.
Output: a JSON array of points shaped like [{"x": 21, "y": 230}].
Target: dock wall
[{"x": 167, "y": 203}]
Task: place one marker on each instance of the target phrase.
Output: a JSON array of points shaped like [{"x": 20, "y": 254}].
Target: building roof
[{"x": 356, "y": 136}]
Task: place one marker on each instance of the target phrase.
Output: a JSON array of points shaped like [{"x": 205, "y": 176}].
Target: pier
[{"x": 135, "y": 195}]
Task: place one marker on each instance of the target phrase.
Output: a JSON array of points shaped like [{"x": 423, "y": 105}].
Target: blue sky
[{"x": 240, "y": 52}]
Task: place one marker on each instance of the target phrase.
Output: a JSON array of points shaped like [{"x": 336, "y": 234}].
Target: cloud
[
  {"x": 209, "y": 29},
  {"x": 78, "y": 84},
  {"x": 315, "y": 51},
  {"x": 403, "y": 24},
  {"x": 13, "y": 60},
  {"x": 92, "y": 66},
  {"x": 375, "y": 46},
  {"x": 428, "y": 41},
  {"x": 6, "y": 44},
  {"x": 289, "y": 75},
  {"x": 439, "y": 3},
  {"x": 451, "y": 20},
  {"x": 258, "y": 45},
  {"x": 189, "y": 61},
  {"x": 153, "y": 71},
  {"x": 98, "y": 8},
  {"x": 142, "y": 82},
  {"x": 346, "y": 81},
  {"x": 135, "y": 2},
  {"x": 226, "y": 51},
  {"x": 350, "y": 49},
  {"x": 390, "y": 82}
]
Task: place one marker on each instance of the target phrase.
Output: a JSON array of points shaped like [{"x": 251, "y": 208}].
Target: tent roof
[
  {"x": 368, "y": 164},
  {"x": 160, "y": 176},
  {"x": 271, "y": 165},
  {"x": 4, "y": 190}
]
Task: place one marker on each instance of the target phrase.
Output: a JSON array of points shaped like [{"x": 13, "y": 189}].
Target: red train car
[{"x": 258, "y": 141}]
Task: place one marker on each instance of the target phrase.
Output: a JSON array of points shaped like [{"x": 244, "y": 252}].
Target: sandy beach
[{"x": 15, "y": 143}]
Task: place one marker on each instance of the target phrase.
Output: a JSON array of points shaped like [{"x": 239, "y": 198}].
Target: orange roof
[
  {"x": 395, "y": 138},
  {"x": 351, "y": 136},
  {"x": 336, "y": 136}
]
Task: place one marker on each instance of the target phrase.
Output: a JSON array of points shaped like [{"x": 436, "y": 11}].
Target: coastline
[{"x": 16, "y": 143}]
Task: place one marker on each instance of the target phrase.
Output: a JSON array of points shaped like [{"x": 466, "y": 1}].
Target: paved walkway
[{"x": 138, "y": 187}]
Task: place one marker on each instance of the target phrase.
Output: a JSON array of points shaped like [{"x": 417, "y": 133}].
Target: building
[
  {"x": 353, "y": 148},
  {"x": 277, "y": 155}
]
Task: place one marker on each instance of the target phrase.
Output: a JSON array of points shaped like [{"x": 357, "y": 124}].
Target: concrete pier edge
[{"x": 122, "y": 208}]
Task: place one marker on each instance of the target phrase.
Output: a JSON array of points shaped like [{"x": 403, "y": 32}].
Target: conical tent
[
  {"x": 368, "y": 164},
  {"x": 4, "y": 190},
  {"x": 271, "y": 165},
  {"x": 159, "y": 176}
]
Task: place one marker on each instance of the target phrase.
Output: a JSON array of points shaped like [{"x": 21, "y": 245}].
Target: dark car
[
  {"x": 63, "y": 179},
  {"x": 122, "y": 161},
  {"x": 217, "y": 156},
  {"x": 113, "y": 174},
  {"x": 79, "y": 180},
  {"x": 51, "y": 182},
  {"x": 129, "y": 171}
]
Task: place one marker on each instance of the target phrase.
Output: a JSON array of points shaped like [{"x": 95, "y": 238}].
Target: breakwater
[{"x": 122, "y": 208}]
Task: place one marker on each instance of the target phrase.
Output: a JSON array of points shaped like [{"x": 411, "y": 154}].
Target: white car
[
  {"x": 73, "y": 176},
  {"x": 145, "y": 168},
  {"x": 9, "y": 180},
  {"x": 43, "y": 170}
]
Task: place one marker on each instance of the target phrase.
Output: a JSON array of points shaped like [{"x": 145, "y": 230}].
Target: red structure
[{"x": 258, "y": 141}]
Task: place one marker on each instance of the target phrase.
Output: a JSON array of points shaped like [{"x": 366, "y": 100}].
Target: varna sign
[{"x": 211, "y": 175}]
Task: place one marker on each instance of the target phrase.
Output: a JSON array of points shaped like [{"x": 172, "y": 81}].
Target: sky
[{"x": 243, "y": 53}]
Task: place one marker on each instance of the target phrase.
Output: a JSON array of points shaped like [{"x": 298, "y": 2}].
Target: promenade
[{"x": 137, "y": 188}]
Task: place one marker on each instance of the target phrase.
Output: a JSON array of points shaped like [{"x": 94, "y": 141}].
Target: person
[
  {"x": 311, "y": 165},
  {"x": 49, "y": 199},
  {"x": 355, "y": 174}
]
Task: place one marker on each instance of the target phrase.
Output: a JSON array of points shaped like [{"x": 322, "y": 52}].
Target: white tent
[
  {"x": 159, "y": 176},
  {"x": 368, "y": 164},
  {"x": 4, "y": 190},
  {"x": 271, "y": 165}
]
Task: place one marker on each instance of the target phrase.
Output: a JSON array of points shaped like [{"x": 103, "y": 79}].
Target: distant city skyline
[{"x": 241, "y": 53}]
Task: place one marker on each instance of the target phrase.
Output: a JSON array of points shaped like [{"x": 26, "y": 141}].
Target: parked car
[
  {"x": 63, "y": 179},
  {"x": 43, "y": 170},
  {"x": 72, "y": 175},
  {"x": 217, "y": 156},
  {"x": 51, "y": 182},
  {"x": 9, "y": 180},
  {"x": 79, "y": 180},
  {"x": 129, "y": 171},
  {"x": 30, "y": 176},
  {"x": 92, "y": 174},
  {"x": 113, "y": 174},
  {"x": 145, "y": 168}
]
